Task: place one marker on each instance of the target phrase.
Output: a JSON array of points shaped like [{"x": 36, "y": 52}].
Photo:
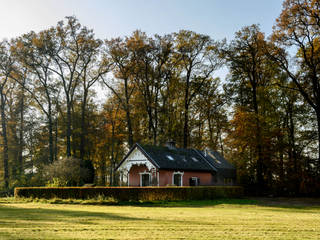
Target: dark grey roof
[
  {"x": 217, "y": 160},
  {"x": 177, "y": 158},
  {"x": 220, "y": 163}
]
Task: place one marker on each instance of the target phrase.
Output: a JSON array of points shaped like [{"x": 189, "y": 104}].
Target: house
[{"x": 147, "y": 165}]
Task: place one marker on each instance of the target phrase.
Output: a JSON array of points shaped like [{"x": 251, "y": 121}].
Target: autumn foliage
[{"x": 64, "y": 92}]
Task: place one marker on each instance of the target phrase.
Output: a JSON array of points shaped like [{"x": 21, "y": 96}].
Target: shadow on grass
[
  {"x": 191, "y": 204},
  {"x": 44, "y": 223},
  {"x": 45, "y": 214},
  {"x": 285, "y": 204},
  {"x": 281, "y": 203},
  {"x": 108, "y": 202},
  {"x": 47, "y": 221}
]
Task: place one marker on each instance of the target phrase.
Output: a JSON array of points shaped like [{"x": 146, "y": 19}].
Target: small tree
[{"x": 67, "y": 171}]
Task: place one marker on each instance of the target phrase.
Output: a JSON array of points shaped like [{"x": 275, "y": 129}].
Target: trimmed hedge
[{"x": 131, "y": 193}]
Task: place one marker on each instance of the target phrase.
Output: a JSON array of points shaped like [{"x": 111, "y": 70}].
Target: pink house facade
[{"x": 147, "y": 165}]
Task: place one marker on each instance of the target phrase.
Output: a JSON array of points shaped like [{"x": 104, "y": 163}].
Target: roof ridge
[
  {"x": 221, "y": 158},
  {"x": 201, "y": 155},
  {"x": 147, "y": 155}
]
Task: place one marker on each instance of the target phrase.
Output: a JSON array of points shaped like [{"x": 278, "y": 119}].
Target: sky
[
  {"x": 118, "y": 18},
  {"x": 112, "y": 18}
]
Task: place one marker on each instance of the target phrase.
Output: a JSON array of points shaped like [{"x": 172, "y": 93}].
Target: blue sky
[{"x": 217, "y": 18}]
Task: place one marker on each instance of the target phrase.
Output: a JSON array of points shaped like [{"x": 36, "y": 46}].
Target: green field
[{"x": 223, "y": 219}]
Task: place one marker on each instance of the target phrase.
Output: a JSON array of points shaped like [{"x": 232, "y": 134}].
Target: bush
[
  {"x": 57, "y": 182},
  {"x": 67, "y": 172},
  {"x": 132, "y": 194}
]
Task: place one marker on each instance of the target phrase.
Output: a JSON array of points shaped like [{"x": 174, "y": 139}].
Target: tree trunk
[
  {"x": 150, "y": 123},
  {"x": 127, "y": 109},
  {"x": 260, "y": 179},
  {"x": 50, "y": 126},
  {"x": 293, "y": 148},
  {"x": 21, "y": 142},
  {"x": 318, "y": 124},
  {"x": 83, "y": 124},
  {"x": 116, "y": 155},
  {"x": 56, "y": 139},
  {"x": 281, "y": 157},
  {"x": 130, "y": 135},
  {"x": 221, "y": 145},
  {"x": 156, "y": 121},
  {"x": 69, "y": 132},
  {"x": 103, "y": 172},
  {"x": 112, "y": 155},
  {"x": 5, "y": 141},
  {"x": 186, "y": 115},
  {"x": 186, "y": 126}
]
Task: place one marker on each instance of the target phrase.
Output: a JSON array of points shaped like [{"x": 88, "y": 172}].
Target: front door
[{"x": 145, "y": 180}]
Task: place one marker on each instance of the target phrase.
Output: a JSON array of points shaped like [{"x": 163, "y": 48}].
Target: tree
[
  {"x": 6, "y": 68},
  {"x": 197, "y": 58},
  {"x": 114, "y": 134},
  {"x": 298, "y": 27},
  {"x": 150, "y": 58},
  {"x": 71, "y": 51},
  {"x": 32, "y": 51},
  {"x": 210, "y": 110},
  {"x": 251, "y": 71},
  {"x": 117, "y": 53},
  {"x": 92, "y": 66}
]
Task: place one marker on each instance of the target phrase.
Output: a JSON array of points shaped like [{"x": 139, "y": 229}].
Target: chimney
[{"x": 171, "y": 144}]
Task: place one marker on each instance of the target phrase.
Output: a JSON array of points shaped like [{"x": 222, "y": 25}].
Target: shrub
[
  {"x": 132, "y": 194},
  {"x": 67, "y": 172},
  {"x": 57, "y": 182}
]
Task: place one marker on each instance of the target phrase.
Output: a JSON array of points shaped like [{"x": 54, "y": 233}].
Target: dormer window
[
  {"x": 214, "y": 158},
  {"x": 170, "y": 158}
]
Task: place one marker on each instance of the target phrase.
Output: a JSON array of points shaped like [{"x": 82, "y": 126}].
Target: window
[
  {"x": 214, "y": 158},
  {"x": 228, "y": 181},
  {"x": 214, "y": 177},
  {"x": 170, "y": 158},
  {"x": 177, "y": 179},
  {"x": 194, "y": 159},
  {"x": 194, "y": 181}
]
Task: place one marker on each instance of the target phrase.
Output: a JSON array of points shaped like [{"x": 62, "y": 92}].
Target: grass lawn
[{"x": 220, "y": 219}]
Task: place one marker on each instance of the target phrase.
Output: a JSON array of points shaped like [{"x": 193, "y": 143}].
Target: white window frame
[
  {"x": 196, "y": 179},
  {"x": 145, "y": 172},
  {"x": 178, "y": 173}
]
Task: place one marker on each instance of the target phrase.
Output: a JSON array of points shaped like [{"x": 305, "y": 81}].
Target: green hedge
[{"x": 131, "y": 193}]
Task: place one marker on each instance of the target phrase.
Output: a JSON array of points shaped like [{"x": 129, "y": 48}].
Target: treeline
[{"x": 264, "y": 117}]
